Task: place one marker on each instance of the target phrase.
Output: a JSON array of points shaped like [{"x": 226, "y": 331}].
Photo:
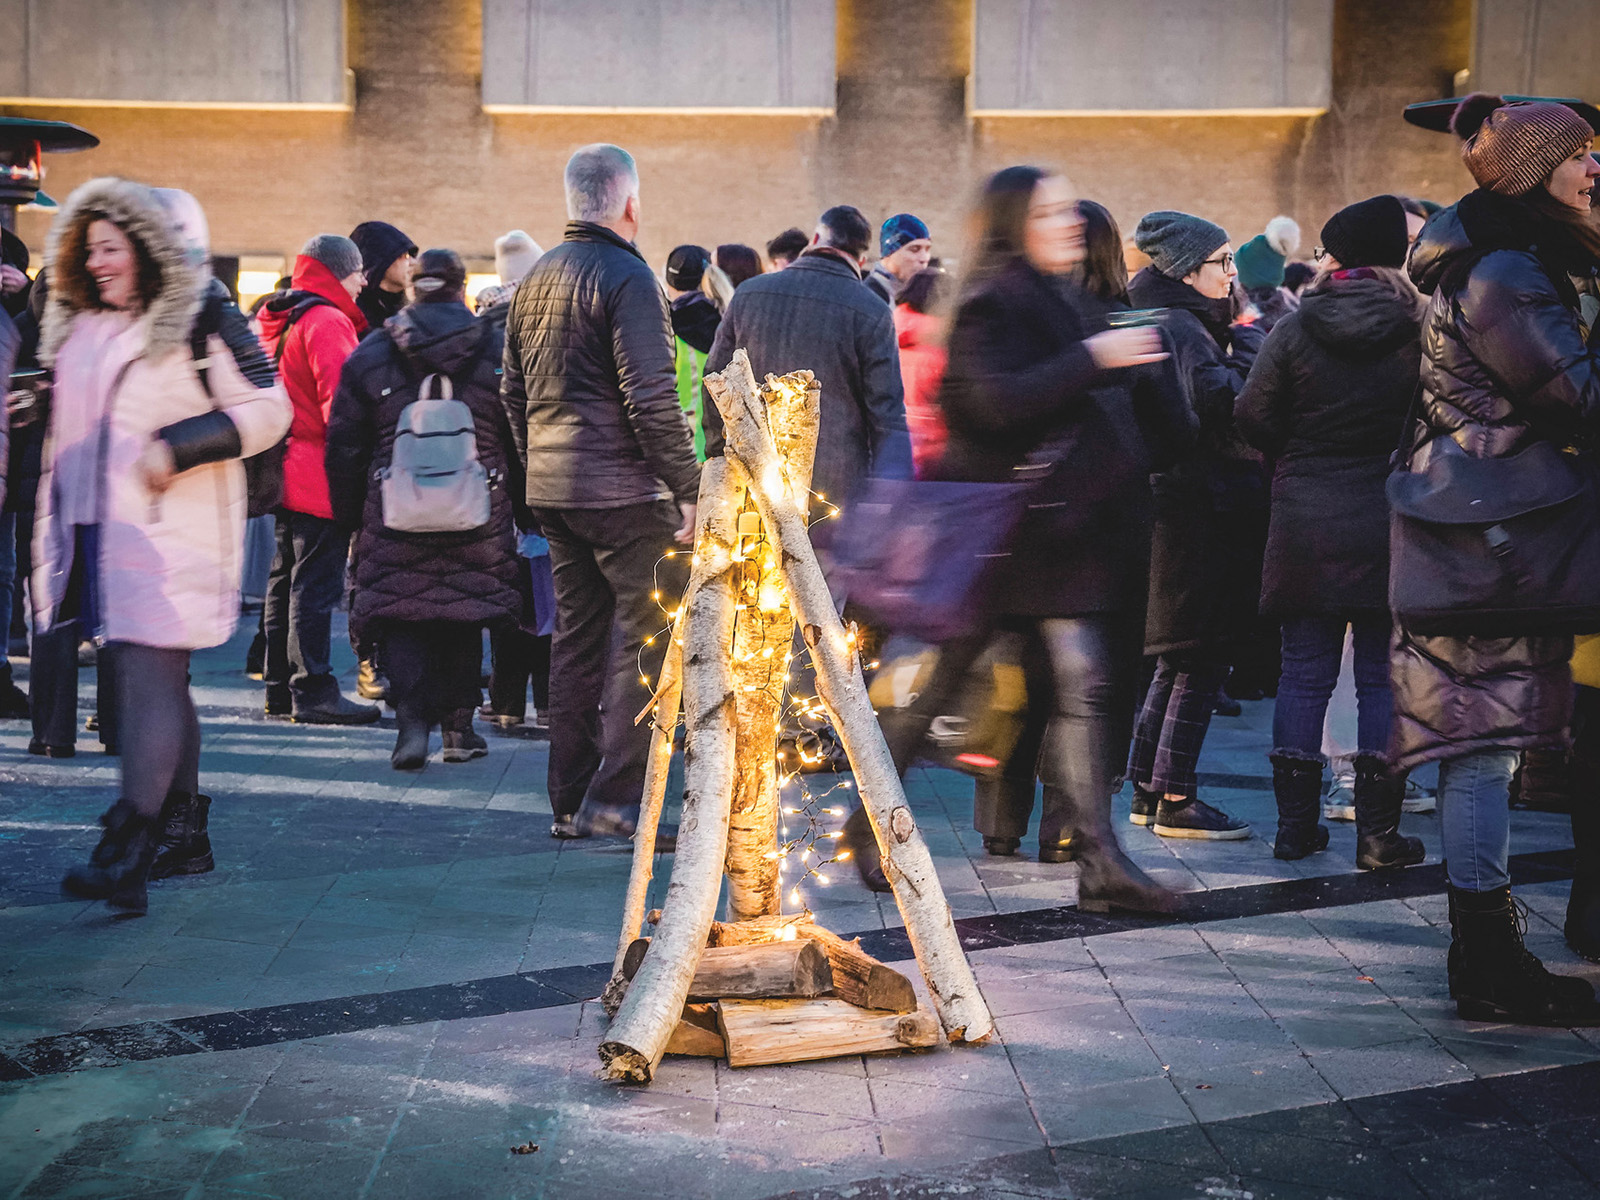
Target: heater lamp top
[
  {"x": 1436, "y": 114},
  {"x": 56, "y": 137}
]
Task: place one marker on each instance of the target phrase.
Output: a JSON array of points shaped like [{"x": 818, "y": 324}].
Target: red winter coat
[
  {"x": 314, "y": 354},
  {"x": 922, "y": 361}
]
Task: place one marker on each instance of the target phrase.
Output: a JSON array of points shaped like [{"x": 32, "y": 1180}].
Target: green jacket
[{"x": 691, "y": 366}]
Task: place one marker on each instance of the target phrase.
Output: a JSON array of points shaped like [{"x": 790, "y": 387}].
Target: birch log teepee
[
  {"x": 654, "y": 1002},
  {"x": 906, "y": 860}
]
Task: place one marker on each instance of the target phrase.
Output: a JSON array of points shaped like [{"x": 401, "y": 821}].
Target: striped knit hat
[{"x": 1511, "y": 148}]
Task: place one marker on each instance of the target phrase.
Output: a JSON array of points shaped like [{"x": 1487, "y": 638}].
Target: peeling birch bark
[
  {"x": 763, "y": 635},
  {"x": 654, "y": 1002},
  {"x": 906, "y": 860}
]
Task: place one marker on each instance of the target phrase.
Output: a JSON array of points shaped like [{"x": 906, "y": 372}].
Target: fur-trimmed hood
[{"x": 168, "y": 234}]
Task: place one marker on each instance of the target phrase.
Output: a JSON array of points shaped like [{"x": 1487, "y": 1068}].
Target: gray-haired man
[{"x": 590, "y": 386}]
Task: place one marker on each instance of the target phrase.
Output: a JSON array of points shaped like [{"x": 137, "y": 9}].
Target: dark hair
[
  {"x": 1000, "y": 220},
  {"x": 788, "y": 245},
  {"x": 925, "y": 292},
  {"x": 1104, "y": 272},
  {"x": 738, "y": 262},
  {"x": 844, "y": 228},
  {"x": 1297, "y": 274},
  {"x": 1582, "y": 227}
]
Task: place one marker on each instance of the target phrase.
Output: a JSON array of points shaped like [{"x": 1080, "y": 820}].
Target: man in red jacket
[{"x": 309, "y": 331}]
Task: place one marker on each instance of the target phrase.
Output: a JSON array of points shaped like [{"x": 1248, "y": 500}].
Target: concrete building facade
[{"x": 415, "y": 143}]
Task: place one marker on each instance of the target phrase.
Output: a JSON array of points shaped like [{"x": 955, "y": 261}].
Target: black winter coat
[
  {"x": 1325, "y": 402},
  {"x": 591, "y": 385},
  {"x": 1505, "y": 362},
  {"x": 1210, "y": 508},
  {"x": 815, "y": 316},
  {"x": 470, "y": 576}
]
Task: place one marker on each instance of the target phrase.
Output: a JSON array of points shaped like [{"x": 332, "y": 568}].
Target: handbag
[
  {"x": 1495, "y": 547},
  {"x": 985, "y": 718},
  {"x": 914, "y": 553}
]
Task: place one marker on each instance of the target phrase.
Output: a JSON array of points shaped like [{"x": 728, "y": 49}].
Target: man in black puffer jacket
[{"x": 590, "y": 386}]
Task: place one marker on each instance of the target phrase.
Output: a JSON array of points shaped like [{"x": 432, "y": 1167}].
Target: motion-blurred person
[
  {"x": 310, "y": 331},
  {"x": 422, "y": 466},
  {"x": 787, "y": 247},
  {"x": 135, "y": 428},
  {"x": 1325, "y": 402},
  {"x": 904, "y": 247},
  {"x": 919, "y": 324},
  {"x": 1027, "y": 383},
  {"x": 590, "y": 388},
  {"x": 1205, "y": 568}
]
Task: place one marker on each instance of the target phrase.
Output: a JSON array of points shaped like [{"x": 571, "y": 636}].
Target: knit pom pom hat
[
  {"x": 1261, "y": 259},
  {"x": 1512, "y": 147}
]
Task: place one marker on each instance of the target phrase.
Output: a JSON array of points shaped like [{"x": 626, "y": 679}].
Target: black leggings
[{"x": 159, "y": 728}]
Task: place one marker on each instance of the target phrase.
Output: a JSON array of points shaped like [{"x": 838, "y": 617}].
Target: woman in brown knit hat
[{"x": 1507, "y": 363}]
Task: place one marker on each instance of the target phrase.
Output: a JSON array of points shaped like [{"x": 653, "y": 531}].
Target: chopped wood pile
[{"x": 765, "y": 987}]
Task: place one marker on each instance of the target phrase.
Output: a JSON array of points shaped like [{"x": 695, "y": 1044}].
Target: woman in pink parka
[{"x": 139, "y": 535}]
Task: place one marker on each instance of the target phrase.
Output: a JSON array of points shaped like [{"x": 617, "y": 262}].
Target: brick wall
[{"x": 419, "y": 151}]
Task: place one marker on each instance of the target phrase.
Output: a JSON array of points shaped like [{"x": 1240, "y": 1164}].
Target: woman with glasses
[{"x": 1205, "y": 563}]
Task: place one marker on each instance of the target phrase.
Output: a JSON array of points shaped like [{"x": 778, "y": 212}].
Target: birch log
[
  {"x": 763, "y": 635},
  {"x": 649, "y": 1012},
  {"x": 906, "y": 860}
]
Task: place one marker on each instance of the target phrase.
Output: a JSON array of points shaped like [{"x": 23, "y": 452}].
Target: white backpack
[{"x": 434, "y": 482}]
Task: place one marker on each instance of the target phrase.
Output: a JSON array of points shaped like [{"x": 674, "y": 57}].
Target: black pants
[
  {"x": 1081, "y": 673},
  {"x": 517, "y": 658},
  {"x": 604, "y": 563},
  {"x": 433, "y": 670},
  {"x": 159, "y": 726},
  {"x": 53, "y": 687},
  {"x": 302, "y": 592}
]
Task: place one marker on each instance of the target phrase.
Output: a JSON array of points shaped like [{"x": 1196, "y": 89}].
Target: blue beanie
[{"x": 899, "y": 230}]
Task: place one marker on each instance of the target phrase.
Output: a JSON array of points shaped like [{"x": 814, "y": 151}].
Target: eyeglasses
[{"x": 1224, "y": 261}]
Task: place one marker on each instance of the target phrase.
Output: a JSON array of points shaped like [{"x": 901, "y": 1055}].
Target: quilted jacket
[
  {"x": 470, "y": 576},
  {"x": 1504, "y": 362},
  {"x": 591, "y": 385}
]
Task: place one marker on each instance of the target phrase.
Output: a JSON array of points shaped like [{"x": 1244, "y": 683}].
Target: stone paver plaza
[{"x": 385, "y": 986}]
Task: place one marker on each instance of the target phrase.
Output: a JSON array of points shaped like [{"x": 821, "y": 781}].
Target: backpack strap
[
  {"x": 312, "y": 300},
  {"x": 206, "y": 322}
]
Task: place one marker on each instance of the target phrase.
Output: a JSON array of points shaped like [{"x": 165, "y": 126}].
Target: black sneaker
[
  {"x": 1143, "y": 811},
  {"x": 1196, "y": 819}
]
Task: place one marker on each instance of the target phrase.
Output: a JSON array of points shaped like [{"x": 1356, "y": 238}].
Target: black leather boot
[
  {"x": 863, "y": 846},
  {"x": 13, "y": 700},
  {"x": 1108, "y": 878},
  {"x": 1378, "y": 797},
  {"x": 185, "y": 845},
  {"x": 1583, "y": 905},
  {"x": 410, "y": 745},
  {"x": 1498, "y": 979},
  {"x": 118, "y": 869},
  {"x": 1297, "y": 785},
  {"x": 461, "y": 744}
]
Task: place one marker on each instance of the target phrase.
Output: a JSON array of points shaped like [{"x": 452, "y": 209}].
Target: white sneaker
[
  {"x": 1418, "y": 799},
  {"x": 1340, "y": 802}
]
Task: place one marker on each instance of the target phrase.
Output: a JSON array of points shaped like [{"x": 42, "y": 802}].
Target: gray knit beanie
[
  {"x": 338, "y": 254},
  {"x": 1176, "y": 242}
]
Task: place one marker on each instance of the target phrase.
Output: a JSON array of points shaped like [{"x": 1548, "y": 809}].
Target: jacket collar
[
  {"x": 588, "y": 231},
  {"x": 313, "y": 276},
  {"x": 826, "y": 258}
]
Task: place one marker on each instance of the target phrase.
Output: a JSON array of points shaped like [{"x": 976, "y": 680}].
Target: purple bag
[{"x": 915, "y": 553}]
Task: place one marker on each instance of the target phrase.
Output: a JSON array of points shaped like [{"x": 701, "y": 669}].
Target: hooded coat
[
  {"x": 1205, "y": 558},
  {"x": 469, "y": 576},
  {"x": 1325, "y": 402},
  {"x": 380, "y": 244},
  {"x": 310, "y": 330},
  {"x": 170, "y": 563},
  {"x": 1505, "y": 361}
]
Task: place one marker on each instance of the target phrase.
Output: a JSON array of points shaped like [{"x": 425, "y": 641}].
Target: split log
[
  {"x": 697, "y": 1033},
  {"x": 761, "y": 1032},
  {"x": 906, "y": 860},
  {"x": 649, "y": 1012},
  {"x": 758, "y": 971},
  {"x": 857, "y": 976},
  {"x": 663, "y": 711},
  {"x": 763, "y": 635}
]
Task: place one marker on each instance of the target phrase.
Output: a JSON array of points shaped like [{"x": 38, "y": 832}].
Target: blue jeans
[
  {"x": 1475, "y": 818},
  {"x": 1312, "y": 648}
]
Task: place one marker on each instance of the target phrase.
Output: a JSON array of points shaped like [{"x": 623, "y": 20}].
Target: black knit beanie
[
  {"x": 380, "y": 244},
  {"x": 1371, "y": 233}
]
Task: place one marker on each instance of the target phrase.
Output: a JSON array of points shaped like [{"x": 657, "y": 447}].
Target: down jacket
[
  {"x": 170, "y": 563},
  {"x": 1504, "y": 362},
  {"x": 591, "y": 386},
  {"x": 1325, "y": 402},
  {"x": 1210, "y": 507},
  {"x": 316, "y": 324},
  {"x": 469, "y": 576}
]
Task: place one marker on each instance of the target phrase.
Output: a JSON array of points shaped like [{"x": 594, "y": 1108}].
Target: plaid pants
[{"x": 1173, "y": 722}]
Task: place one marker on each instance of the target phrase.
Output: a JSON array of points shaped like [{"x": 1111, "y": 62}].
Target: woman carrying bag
[
  {"x": 1027, "y": 385},
  {"x": 1507, "y": 369}
]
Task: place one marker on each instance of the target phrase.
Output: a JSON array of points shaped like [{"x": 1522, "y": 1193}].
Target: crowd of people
[{"x": 1209, "y": 445}]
